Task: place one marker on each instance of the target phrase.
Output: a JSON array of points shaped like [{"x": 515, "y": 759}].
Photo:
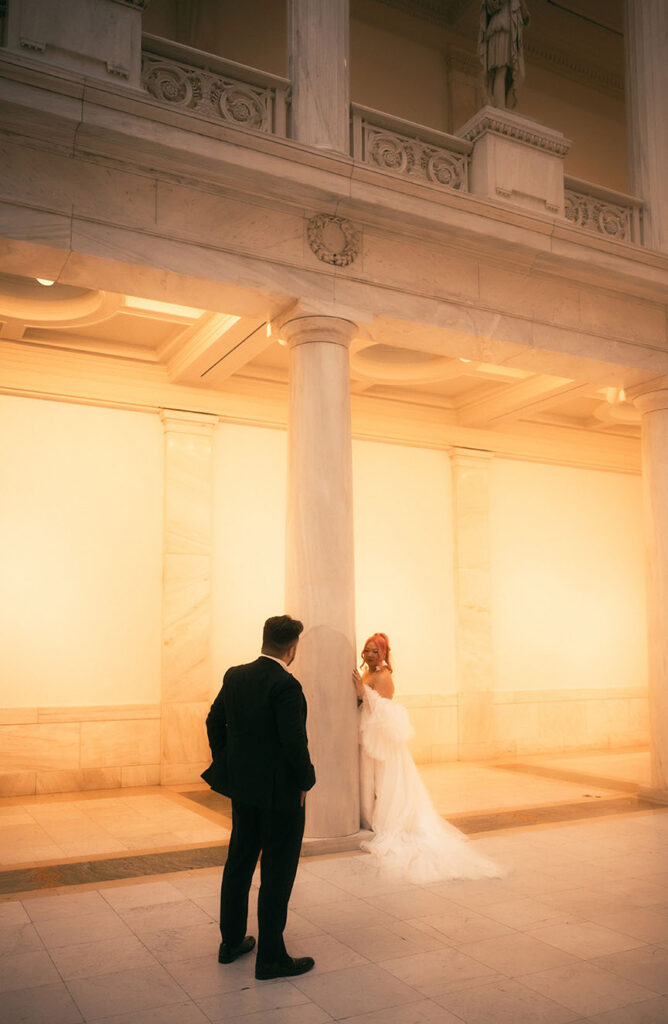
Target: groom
[{"x": 257, "y": 734}]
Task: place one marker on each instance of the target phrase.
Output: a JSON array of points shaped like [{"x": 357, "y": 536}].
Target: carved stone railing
[
  {"x": 216, "y": 89},
  {"x": 603, "y": 210},
  {"x": 408, "y": 149}
]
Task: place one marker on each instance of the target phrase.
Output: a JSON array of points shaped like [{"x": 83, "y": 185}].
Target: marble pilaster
[
  {"x": 318, "y": 68},
  {"x": 319, "y": 569},
  {"x": 475, "y": 665},
  {"x": 646, "y": 40},
  {"x": 654, "y": 419},
  {"x": 186, "y": 616}
]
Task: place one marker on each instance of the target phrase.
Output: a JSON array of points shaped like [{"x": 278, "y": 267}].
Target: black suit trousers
[{"x": 278, "y": 835}]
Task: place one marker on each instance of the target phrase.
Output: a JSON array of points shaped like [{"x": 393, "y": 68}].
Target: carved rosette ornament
[
  {"x": 597, "y": 215},
  {"x": 334, "y": 240},
  {"x": 214, "y": 96},
  {"x": 401, "y": 154}
]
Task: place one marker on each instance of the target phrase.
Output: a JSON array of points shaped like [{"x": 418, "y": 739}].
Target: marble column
[
  {"x": 654, "y": 412},
  {"x": 186, "y": 603},
  {"x": 319, "y": 563},
  {"x": 475, "y": 663},
  {"x": 646, "y": 38},
  {"x": 318, "y": 68}
]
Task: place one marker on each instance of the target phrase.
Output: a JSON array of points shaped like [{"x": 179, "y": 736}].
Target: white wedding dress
[{"x": 411, "y": 839}]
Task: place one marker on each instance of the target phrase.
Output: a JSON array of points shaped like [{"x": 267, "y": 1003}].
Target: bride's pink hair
[{"x": 383, "y": 645}]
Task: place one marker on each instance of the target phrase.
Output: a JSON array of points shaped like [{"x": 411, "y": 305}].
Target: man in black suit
[{"x": 257, "y": 734}]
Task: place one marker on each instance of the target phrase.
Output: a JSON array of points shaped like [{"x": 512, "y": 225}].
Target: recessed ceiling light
[
  {"x": 463, "y": 360},
  {"x": 45, "y": 281}
]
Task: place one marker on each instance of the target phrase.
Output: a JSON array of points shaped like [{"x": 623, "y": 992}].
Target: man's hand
[{"x": 302, "y": 798}]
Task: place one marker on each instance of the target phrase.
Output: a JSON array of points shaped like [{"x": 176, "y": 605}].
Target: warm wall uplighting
[
  {"x": 463, "y": 360},
  {"x": 269, "y": 329},
  {"x": 45, "y": 281}
]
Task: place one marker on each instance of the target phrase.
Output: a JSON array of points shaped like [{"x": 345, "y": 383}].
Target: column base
[
  {"x": 654, "y": 796},
  {"x": 336, "y": 844}
]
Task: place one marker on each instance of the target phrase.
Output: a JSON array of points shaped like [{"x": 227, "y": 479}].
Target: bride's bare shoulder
[{"x": 383, "y": 683}]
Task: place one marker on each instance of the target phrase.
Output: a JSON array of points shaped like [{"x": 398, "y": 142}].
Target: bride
[{"x": 411, "y": 839}]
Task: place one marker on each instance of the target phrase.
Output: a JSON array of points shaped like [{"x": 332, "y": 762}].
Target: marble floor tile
[
  {"x": 654, "y": 1011},
  {"x": 516, "y": 954},
  {"x": 303, "y": 1013},
  {"x": 647, "y": 966},
  {"x": 142, "y": 894},
  {"x": 164, "y": 915},
  {"x": 44, "y": 1004},
  {"x": 386, "y": 942},
  {"x": 106, "y": 956},
  {"x": 73, "y": 931},
  {"x": 349, "y": 913},
  {"x": 12, "y": 912},
  {"x": 507, "y": 1002},
  {"x": 330, "y": 954},
  {"x": 124, "y": 992},
  {"x": 43, "y": 908},
  {"x": 461, "y": 924},
  {"x": 355, "y": 990},
  {"x": 416, "y": 902},
  {"x": 272, "y": 995},
  {"x": 185, "y": 943},
  {"x": 308, "y": 892},
  {"x": 585, "y": 989},
  {"x": 201, "y": 883},
  {"x": 646, "y": 925},
  {"x": 204, "y": 976},
  {"x": 432, "y": 973},
  {"x": 524, "y": 913},
  {"x": 18, "y": 938},
  {"x": 584, "y": 939},
  {"x": 27, "y": 970},
  {"x": 175, "y": 1013},
  {"x": 425, "y": 1011}
]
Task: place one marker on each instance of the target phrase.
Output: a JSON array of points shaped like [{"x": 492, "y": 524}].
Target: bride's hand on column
[{"x": 359, "y": 685}]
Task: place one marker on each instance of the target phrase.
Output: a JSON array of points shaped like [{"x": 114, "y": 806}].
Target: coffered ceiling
[{"x": 218, "y": 352}]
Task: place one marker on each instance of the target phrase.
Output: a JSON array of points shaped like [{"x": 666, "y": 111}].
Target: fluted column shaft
[
  {"x": 320, "y": 568},
  {"x": 318, "y": 68},
  {"x": 186, "y": 602},
  {"x": 654, "y": 411},
  {"x": 647, "y": 112}
]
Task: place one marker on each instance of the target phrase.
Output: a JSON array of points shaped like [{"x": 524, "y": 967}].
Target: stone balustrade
[
  {"x": 214, "y": 88},
  {"x": 603, "y": 210},
  {"x": 408, "y": 149}
]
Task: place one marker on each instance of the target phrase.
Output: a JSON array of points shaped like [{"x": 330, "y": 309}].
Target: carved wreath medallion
[{"x": 333, "y": 240}]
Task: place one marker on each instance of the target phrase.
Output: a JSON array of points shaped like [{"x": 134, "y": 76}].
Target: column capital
[
  {"x": 304, "y": 330},
  {"x": 180, "y": 421},
  {"x": 474, "y": 456}
]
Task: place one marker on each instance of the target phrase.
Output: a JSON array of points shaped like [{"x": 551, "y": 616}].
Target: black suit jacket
[{"x": 257, "y": 734}]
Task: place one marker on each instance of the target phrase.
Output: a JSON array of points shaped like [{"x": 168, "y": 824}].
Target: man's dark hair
[{"x": 281, "y": 632}]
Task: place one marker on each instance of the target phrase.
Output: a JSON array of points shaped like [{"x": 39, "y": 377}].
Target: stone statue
[{"x": 500, "y": 47}]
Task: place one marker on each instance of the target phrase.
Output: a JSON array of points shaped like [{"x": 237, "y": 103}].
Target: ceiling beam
[
  {"x": 530, "y": 396},
  {"x": 214, "y": 348}
]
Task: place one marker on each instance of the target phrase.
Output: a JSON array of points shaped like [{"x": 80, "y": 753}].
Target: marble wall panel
[
  {"x": 184, "y": 739},
  {"x": 114, "y": 744},
  {"x": 73, "y": 781},
  {"x": 186, "y": 627},
  {"x": 35, "y": 747},
  {"x": 181, "y": 774},
  {"x": 17, "y": 783},
  {"x": 140, "y": 775},
  {"x": 416, "y": 266}
]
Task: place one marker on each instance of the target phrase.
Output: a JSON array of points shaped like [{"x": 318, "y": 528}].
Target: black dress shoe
[
  {"x": 289, "y": 968},
  {"x": 227, "y": 954}
]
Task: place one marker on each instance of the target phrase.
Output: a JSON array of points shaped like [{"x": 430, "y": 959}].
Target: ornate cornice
[{"x": 501, "y": 122}]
